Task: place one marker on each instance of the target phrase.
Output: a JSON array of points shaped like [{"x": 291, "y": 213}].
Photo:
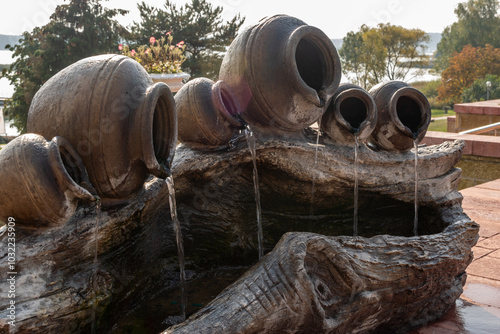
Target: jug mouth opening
[
  {"x": 411, "y": 111},
  {"x": 159, "y": 130},
  {"x": 355, "y": 110},
  {"x": 317, "y": 69},
  {"x": 70, "y": 170},
  {"x": 225, "y": 100}
]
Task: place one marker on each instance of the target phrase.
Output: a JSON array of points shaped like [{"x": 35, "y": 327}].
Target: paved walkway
[{"x": 478, "y": 309}]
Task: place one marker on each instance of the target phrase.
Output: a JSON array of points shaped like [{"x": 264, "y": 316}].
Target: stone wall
[
  {"x": 480, "y": 160},
  {"x": 477, "y": 114}
]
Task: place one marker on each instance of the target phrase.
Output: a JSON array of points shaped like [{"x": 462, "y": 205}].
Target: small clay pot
[
  {"x": 283, "y": 71},
  {"x": 41, "y": 181},
  {"x": 206, "y": 113},
  {"x": 404, "y": 114},
  {"x": 122, "y": 125},
  {"x": 351, "y": 112}
]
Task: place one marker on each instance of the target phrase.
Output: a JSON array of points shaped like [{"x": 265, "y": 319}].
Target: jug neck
[
  {"x": 314, "y": 64},
  {"x": 154, "y": 137},
  {"x": 70, "y": 171}
]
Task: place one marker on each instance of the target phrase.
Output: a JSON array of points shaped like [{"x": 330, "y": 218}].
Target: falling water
[
  {"x": 249, "y": 135},
  {"x": 315, "y": 169},
  {"x": 178, "y": 236},
  {"x": 96, "y": 268},
  {"x": 356, "y": 164},
  {"x": 415, "y": 221}
]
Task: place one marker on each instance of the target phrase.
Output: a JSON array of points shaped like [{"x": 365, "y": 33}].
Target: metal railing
[{"x": 482, "y": 129}]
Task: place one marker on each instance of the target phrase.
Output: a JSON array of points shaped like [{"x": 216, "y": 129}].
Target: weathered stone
[
  {"x": 137, "y": 260},
  {"x": 312, "y": 283}
]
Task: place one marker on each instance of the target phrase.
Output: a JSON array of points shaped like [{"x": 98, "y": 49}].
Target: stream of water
[
  {"x": 356, "y": 191},
  {"x": 315, "y": 169},
  {"x": 415, "y": 220},
  {"x": 178, "y": 237},
  {"x": 96, "y": 264},
  {"x": 249, "y": 135}
]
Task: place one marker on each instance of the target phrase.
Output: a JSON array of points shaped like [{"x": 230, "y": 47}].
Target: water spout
[
  {"x": 315, "y": 167},
  {"x": 249, "y": 135},
  {"x": 356, "y": 191},
  {"x": 178, "y": 237},
  {"x": 96, "y": 265},
  {"x": 415, "y": 220}
]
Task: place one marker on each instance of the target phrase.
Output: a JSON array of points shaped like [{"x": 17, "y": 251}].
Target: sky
[{"x": 335, "y": 18}]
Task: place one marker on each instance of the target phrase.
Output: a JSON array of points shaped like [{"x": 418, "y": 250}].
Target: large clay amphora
[
  {"x": 351, "y": 112},
  {"x": 206, "y": 113},
  {"x": 284, "y": 73},
  {"x": 122, "y": 125},
  {"x": 41, "y": 181},
  {"x": 404, "y": 114}
]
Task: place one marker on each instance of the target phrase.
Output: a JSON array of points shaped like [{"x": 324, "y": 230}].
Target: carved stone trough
[{"x": 91, "y": 270}]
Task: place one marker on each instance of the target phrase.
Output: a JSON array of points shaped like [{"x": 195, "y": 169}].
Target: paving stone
[
  {"x": 491, "y": 243},
  {"x": 487, "y": 267},
  {"x": 479, "y": 252}
]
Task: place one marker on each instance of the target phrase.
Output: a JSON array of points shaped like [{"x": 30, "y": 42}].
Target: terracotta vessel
[
  {"x": 206, "y": 113},
  {"x": 351, "y": 112},
  {"x": 122, "y": 125},
  {"x": 283, "y": 71},
  {"x": 41, "y": 181},
  {"x": 404, "y": 115}
]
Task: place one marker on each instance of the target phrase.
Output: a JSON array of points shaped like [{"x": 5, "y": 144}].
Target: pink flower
[
  {"x": 147, "y": 51},
  {"x": 120, "y": 47},
  {"x": 168, "y": 33},
  {"x": 152, "y": 40},
  {"x": 181, "y": 43},
  {"x": 132, "y": 52}
]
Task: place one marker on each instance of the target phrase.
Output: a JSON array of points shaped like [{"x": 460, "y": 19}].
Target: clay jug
[
  {"x": 207, "y": 113},
  {"x": 404, "y": 114},
  {"x": 41, "y": 181},
  {"x": 122, "y": 125},
  {"x": 283, "y": 71},
  {"x": 351, "y": 112}
]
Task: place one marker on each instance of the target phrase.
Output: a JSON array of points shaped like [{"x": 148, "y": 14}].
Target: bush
[
  {"x": 430, "y": 90},
  {"x": 477, "y": 91}
]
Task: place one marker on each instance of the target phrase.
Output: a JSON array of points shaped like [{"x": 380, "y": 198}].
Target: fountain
[{"x": 120, "y": 135}]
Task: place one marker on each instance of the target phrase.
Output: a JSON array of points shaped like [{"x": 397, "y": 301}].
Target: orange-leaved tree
[{"x": 470, "y": 64}]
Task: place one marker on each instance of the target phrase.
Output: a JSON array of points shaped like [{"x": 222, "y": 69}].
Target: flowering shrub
[{"x": 160, "y": 56}]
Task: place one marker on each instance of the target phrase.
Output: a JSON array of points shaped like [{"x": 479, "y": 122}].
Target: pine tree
[{"x": 198, "y": 24}]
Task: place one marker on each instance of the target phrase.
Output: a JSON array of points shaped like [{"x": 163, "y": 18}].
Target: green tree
[
  {"x": 478, "y": 90},
  {"x": 198, "y": 24},
  {"x": 385, "y": 52},
  {"x": 478, "y": 24},
  {"x": 76, "y": 30}
]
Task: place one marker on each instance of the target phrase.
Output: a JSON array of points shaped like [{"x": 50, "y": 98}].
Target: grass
[
  {"x": 438, "y": 125},
  {"x": 440, "y": 113}
]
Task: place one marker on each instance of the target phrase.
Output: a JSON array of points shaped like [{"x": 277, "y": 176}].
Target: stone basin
[{"x": 385, "y": 279}]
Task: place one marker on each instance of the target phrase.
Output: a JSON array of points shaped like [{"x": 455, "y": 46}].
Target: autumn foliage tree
[
  {"x": 465, "y": 67},
  {"x": 478, "y": 24}
]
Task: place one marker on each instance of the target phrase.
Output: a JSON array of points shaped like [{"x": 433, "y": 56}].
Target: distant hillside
[
  {"x": 337, "y": 42},
  {"x": 434, "y": 38},
  {"x": 8, "y": 39}
]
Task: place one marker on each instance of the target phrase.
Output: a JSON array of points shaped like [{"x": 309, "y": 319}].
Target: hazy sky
[{"x": 334, "y": 17}]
